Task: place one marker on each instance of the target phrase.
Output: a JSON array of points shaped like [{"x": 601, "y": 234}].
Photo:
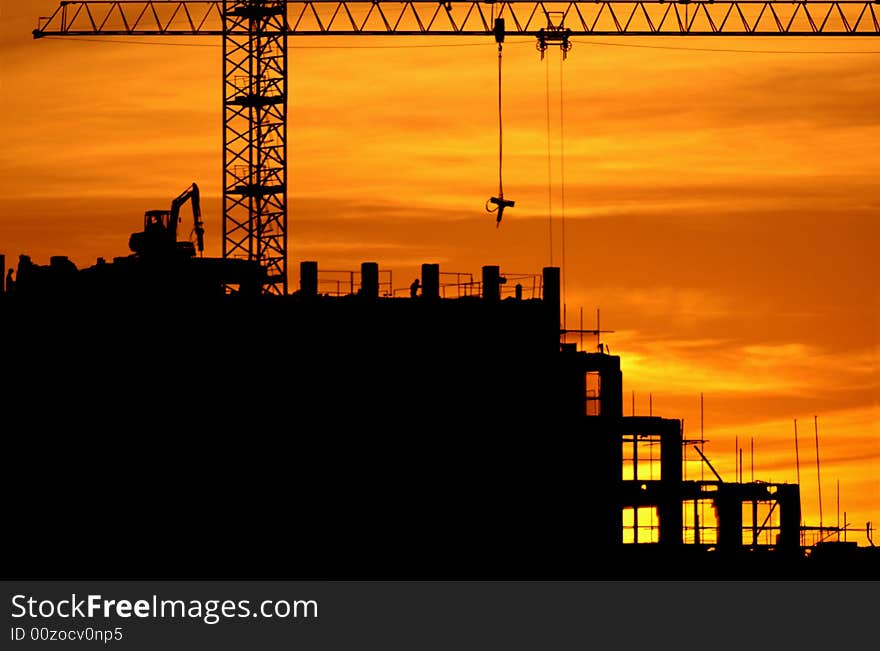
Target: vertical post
[
  {"x": 735, "y": 462},
  {"x": 370, "y": 280},
  {"x": 797, "y": 454},
  {"x": 492, "y": 284},
  {"x": 2, "y": 273},
  {"x": 740, "y": 465},
  {"x": 670, "y": 503},
  {"x": 729, "y": 508},
  {"x": 552, "y": 296},
  {"x": 838, "y": 511},
  {"x": 789, "y": 501},
  {"x": 702, "y": 437},
  {"x": 430, "y": 281},
  {"x": 635, "y": 457},
  {"x": 752, "y": 454},
  {"x": 701, "y": 418},
  {"x": 684, "y": 459},
  {"x": 255, "y": 89},
  {"x": 818, "y": 474},
  {"x": 308, "y": 278},
  {"x": 582, "y": 329},
  {"x": 754, "y": 523}
]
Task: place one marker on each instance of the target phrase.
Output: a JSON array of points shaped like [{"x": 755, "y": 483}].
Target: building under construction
[{"x": 164, "y": 427}]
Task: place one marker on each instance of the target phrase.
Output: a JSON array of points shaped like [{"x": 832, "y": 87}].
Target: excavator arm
[{"x": 191, "y": 194}]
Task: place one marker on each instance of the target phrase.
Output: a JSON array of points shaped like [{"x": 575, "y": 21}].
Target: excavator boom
[{"x": 191, "y": 194}]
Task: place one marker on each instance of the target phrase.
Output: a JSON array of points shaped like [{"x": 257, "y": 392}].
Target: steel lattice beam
[
  {"x": 583, "y": 18},
  {"x": 255, "y": 136}
]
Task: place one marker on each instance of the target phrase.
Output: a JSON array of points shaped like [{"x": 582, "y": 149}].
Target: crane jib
[{"x": 376, "y": 18}]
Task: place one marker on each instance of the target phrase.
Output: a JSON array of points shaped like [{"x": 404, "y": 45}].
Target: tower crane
[{"x": 255, "y": 35}]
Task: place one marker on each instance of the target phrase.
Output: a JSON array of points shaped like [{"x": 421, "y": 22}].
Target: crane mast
[
  {"x": 255, "y": 136},
  {"x": 255, "y": 64}
]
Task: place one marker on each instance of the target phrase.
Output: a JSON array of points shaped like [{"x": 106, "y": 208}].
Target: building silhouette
[{"x": 162, "y": 426}]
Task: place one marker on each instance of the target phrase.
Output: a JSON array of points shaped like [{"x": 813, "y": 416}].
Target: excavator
[
  {"x": 159, "y": 237},
  {"x": 160, "y": 259},
  {"x": 159, "y": 265}
]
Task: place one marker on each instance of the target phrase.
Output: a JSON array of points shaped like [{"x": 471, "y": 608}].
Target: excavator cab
[
  {"x": 157, "y": 220},
  {"x": 159, "y": 237}
]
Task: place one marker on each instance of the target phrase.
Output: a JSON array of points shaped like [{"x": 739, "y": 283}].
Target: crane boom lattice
[{"x": 582, "y": 17}]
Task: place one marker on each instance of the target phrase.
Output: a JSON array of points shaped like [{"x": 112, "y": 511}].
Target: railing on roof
[
  {"x": 338, "y": 282},
  {"x": 532, "y": 285},
  {"x": 460, "y": 284}
]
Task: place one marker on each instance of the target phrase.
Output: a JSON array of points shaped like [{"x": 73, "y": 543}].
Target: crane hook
[{"x": 499, "y": 202}]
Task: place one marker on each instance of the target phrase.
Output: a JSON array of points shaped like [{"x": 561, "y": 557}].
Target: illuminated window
[
  {"x": 594, "y": 392},
  {"x": 640, "y": 525},
  {"x": 760, "y": 523},
  {"x": 641, "y": 457},
  {"x": 700, "y": 522}
]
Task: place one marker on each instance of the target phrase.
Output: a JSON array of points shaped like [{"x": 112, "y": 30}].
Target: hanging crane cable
[
  {"x": 562, "y": 165},
  {"x": 556, "y": 34},
  {"x": 549, "y": 161},
  {"x": 564, "y": 47},
  {"x": 499, "y": 202}
]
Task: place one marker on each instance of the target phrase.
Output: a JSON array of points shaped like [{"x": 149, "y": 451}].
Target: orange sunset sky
[{"x": 722, "y": 208}]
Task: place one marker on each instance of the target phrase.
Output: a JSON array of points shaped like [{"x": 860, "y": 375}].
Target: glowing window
[
  {"x": 641, "y": 457},
  {"x": 700, "y": 522},
  {"x": 760, "y": 523},
  {"x": 594, "y": 393},
  {"x": 641, "y": 525}
]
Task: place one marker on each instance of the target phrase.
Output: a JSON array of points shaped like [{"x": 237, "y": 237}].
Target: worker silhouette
[
  {"x": 414, "y": 288},
  {"x": 10, "y": 281}
]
